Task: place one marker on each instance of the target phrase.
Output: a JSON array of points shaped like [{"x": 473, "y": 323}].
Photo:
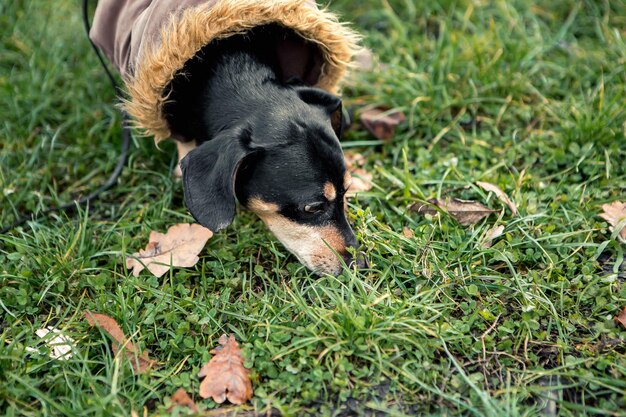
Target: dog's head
[{"x": 285, "y": 164}]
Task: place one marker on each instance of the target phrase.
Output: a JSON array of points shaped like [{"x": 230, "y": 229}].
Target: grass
[{"x": 525, "y": 95}]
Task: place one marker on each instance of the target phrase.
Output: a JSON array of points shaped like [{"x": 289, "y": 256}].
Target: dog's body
[
  {"x": 271, "y": 143},
  {"x": 249, "y": 82}
]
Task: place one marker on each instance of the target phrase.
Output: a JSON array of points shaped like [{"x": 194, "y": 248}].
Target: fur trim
[{"x": 187, "y": 32}]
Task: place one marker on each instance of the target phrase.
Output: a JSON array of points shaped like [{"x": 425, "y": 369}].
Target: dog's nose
[{"x": 359, "y": 260}]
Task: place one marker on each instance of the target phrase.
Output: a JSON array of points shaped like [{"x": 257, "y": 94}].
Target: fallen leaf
[
  {"x": 500, "y": 194},
  {"x": 182, "y": 399},
  {"x": 407, "y": 232},
  {"x": 225, "y": 375},
  {"x": 353, "y": 160},
  {"x": 621, "y": 318},
  {"x": 180, "y": 246},
  {"x": 615, "y": 213},
  {"x": 364, "y": 60},
  {"x": 59, "y": 344},
  {"x": 140, "y": 362},
  {"x": 491, "y": 235},
  {"x": 361, "y": 179},
  {"x": 106, "y": 323},
  {"x": 464, "y": 211},
  {"x": 382, "y": 122}
]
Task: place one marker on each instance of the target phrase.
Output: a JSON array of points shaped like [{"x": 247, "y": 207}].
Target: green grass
[{"x": 526, "y": 95}]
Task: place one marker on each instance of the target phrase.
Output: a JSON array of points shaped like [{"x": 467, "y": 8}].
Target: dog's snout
[{"x": 351, "y": 241}]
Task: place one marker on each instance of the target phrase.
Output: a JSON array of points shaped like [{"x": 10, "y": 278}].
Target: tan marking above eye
[
  {"x": 347, "y": 180},
  {"x": 261, "y": 207},
  {"x": 329, "y": 191}
]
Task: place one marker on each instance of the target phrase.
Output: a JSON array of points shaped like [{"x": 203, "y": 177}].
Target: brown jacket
[{"x": 150, "y": 40}]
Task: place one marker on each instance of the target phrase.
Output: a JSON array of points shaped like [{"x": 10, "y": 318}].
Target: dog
[
  {"x": 271, "y": 145},
  {"x": 246, "y": 88}
]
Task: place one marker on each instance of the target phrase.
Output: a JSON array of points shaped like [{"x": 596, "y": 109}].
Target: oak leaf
[
  {"x": 225, "y": 375},
  {"x": 621, "y": 318},
  {"x": 382, "y": 122},
  {"x": 464, "y": 211},
  {"x": 500, "y": 194},
  {"x": 180, "y": 246},
  {"x": 615, "y": 214},
  {"x": 182, "y": 399},
  {"x": 139, "y": 362}
]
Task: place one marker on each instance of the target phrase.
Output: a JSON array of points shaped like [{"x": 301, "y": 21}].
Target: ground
[{"x": 525, "y": 95}]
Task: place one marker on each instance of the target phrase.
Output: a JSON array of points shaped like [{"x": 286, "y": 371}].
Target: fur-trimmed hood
[{"x": 149, "y": 41}]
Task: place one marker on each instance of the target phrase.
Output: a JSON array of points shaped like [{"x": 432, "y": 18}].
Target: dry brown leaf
[
  {"x": 140, "y": 362},
  {"x": 407, "y": 232},
  {"x": 106, "y": 323},
  {"x": 225, "y": 375},
  {"x": 500, "y": 194},
  {"x": 464, "y": 211},
  {"x": 361, "y": 179},
  {"x": 382, "y": 122},
  {"x": 182, "y": 399},
  {"x": 621, "y": 318},
  {"x": 614, "y": 213},
  {"x": 180, "y": 246},
  {"x": 353, "y": 160},
  {"x": 491, "y": 235}
]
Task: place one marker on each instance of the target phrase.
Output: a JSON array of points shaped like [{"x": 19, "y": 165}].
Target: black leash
[{"x": 126, "y": 139}]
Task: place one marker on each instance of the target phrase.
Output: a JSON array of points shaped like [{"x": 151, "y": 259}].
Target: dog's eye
[{"x": 314, "y": 207}]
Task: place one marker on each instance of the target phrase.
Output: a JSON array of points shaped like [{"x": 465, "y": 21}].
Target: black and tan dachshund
[{"x": 272, "y": 145}]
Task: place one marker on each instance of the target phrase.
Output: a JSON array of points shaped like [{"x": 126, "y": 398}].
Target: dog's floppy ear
[
  {"x": 330, "y": 102},
  {"x": 209, "y": 177}
]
